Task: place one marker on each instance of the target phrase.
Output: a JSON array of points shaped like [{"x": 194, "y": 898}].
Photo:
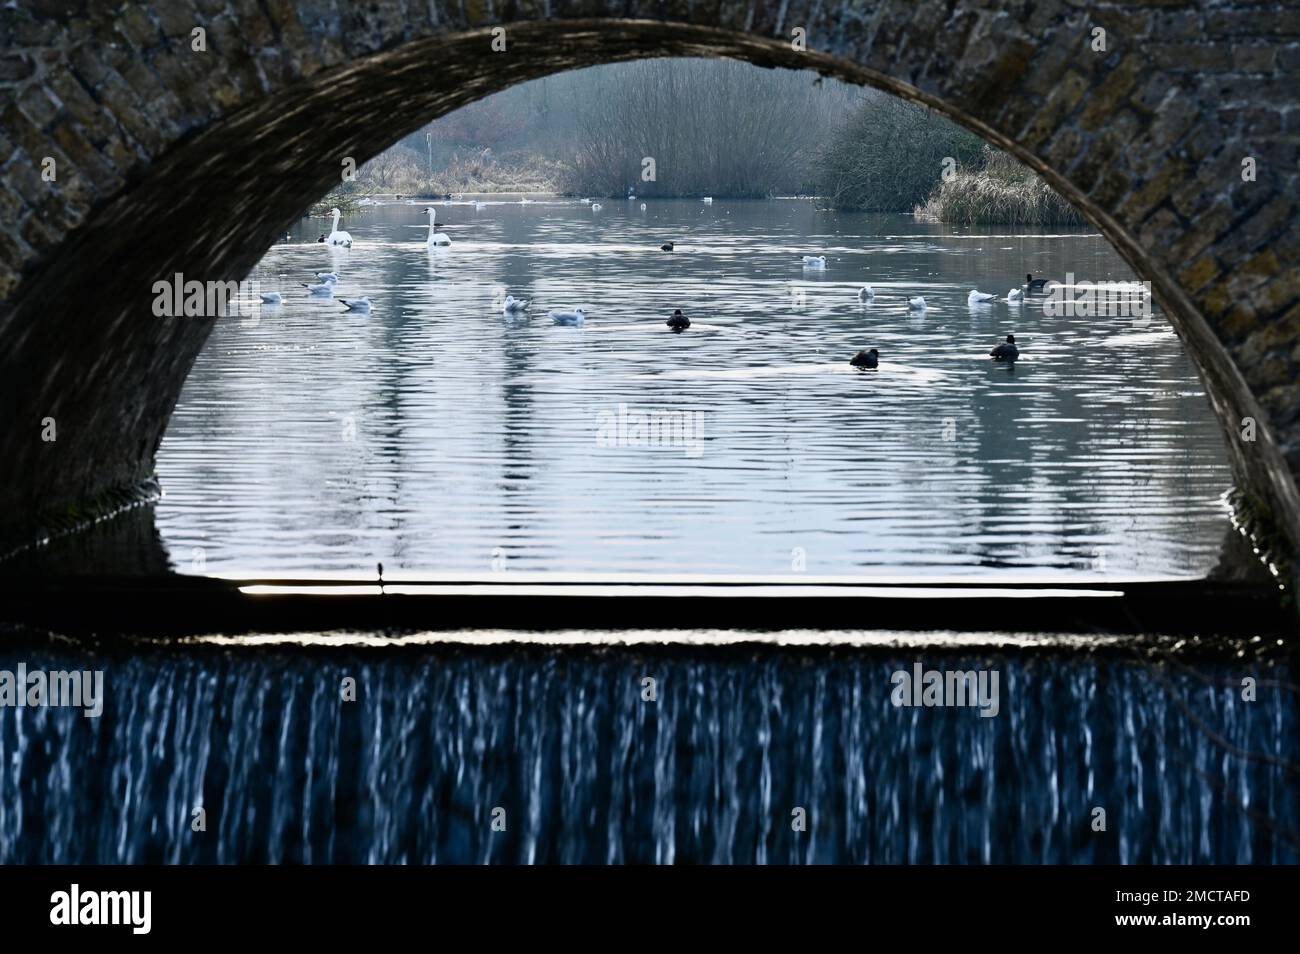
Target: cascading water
[{"x": 561, "y": 748}]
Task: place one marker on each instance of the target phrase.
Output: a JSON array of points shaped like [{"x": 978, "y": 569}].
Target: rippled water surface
[{"x": 435, "y": 435}]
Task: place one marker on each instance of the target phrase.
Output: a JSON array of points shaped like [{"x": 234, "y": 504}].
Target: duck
[
  {"x": 666, "y": 247},
  {"x": 1007, "y": 351},
  {"x": 322, "y": 237},
  {"x": 814, "y": 261},
  {"x": 336, "y": 237},
  {"x": 361, "y": 304},
  {"x": 866, "y": 294},
  {"x": 1015, "y": 296},
  {"x": 678, "y": 322},
  {"x": 1033, "y": 284},
  {"x": 575, "y": 317},
  {"x": 916, "y": 304},
  {"x": 865, "y": 359},
  {"x": 514, "y": 306},
  {"x": 979, "y": 298},
  {"x": 435, "y": 238}
]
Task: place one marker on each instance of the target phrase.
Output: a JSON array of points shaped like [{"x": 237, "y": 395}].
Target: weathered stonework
[{"x": 174, "y": 160}]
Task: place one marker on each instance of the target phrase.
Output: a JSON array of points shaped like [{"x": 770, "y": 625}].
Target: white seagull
[
  {"x": 270, "y": 298},
  {"x": 327, "y": 276},
  {"x": 357, "y": 304},
  {"x": 324, "y": 289},
  {"x": 916, "y": 304},
  {"x": 867, "y": 294},
  {"x": 814, "y": 261},
  {"x": 708, "y": 200},
  {"x": 514, "y": 306},
  {"x": 1015, "y": 296},
  {"x": 575, "y": 317},
  {"x": 979, "y": 298},
  {"x": 596, "y": 206}
]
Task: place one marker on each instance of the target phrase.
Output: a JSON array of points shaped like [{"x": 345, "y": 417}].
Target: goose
[
  {"x": 575, "y": 317},
  {"x": 324, "y": 289},
  {"x": 979, "y": 298},
  {"x": 708, "y": 200},
  {"x": 270, "y": 298},
  {"x": 1015, "y": 296},
  {"x": 336, "y": 237},
  {"x": 1007, "y": 351},
  {"x": 865, "y": 359},
  {"x": 435, "y": 238},
  {"x": 361, "y": 304},
  {"x": 867, "y": 294},
  {"x": 678, "y": 322},
  {"x": 514, "y": 306},
  {"x": 596, "y": 206},
  {"x": 1033, "y": 284},
  {"x": 814, "y": 261},
  {"x": 666, "y": 247},
  {"x": 916, "y": 304}
]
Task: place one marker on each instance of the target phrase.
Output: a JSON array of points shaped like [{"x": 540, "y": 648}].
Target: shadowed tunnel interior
[{"x": 214, "y": 180}]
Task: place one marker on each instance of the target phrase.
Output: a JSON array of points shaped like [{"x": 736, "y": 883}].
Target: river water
[{"x": 436, "y": 436}]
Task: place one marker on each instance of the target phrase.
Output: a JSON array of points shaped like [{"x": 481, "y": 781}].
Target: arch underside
[{"x": 81, "y": 345}]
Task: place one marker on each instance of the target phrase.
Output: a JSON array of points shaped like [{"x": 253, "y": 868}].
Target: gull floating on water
[
  {"x": 1016, "y": 296},
  {"x": 575, "y": 317},
  {"x": 867, "y": 294},
  {"x": 814, "y": 261},
  {"x": 514, "y": 306},
  {"x": 357, "y": 304},
  {"x": 916, "y": 304},
  {"x": 642, "y": 206},
  {"x": 327, "y": 276},
  {"x": 270, "y": 298},
  {"x": 596, "y": 206},
  {"x": 324, "y": 289},
  {"x": 708, "y": 200},
  {"x": 979, "y": 298}
]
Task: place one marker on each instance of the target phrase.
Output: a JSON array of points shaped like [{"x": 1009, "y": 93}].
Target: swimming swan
[
  {"x": 435, "y": 238},
  {"x": 336, "y": 237}
]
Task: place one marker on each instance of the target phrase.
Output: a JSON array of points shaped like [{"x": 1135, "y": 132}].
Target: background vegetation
[{"x": 714, "y": 127}]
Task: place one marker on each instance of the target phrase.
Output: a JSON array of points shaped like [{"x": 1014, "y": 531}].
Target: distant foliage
[
  {"x": 1000, "y": 191},
  {"x": 889, "y": 154},
  {"x": 713, "y": 127}
]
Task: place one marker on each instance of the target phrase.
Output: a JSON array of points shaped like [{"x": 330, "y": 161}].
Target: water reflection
[{"x": 437, "y": 435}]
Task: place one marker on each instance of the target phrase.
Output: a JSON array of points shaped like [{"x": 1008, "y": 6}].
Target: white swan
[
  {"x": 435, "y": 238},
  {"x": 916, "y": 304},
  {"x": 1015, "y": 296},
  {"x": 867, "y": 294},
  {"x": 336, "y": 237},
  {"x": 514, "y": 306},
  {"x": 979, "y": 298},
  {"x": 575, "y": 317},
  {"x": 361, "y": 304},
  {"x": 814, "y": 261}
]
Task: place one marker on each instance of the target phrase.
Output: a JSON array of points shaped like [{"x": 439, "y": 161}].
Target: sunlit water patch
[{"x": 437, "y": 435}]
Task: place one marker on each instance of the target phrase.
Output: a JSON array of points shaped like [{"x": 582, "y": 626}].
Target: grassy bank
[{"x": 1001, "y": 192}]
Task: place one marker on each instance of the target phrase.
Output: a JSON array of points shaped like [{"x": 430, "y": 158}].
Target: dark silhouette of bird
[
  {"x": 1007, "y": 351},
  {"x": 865, "y": 359},
  {"x": 678, "y": 322},
  {"x": 666, "y": 247},
  {"x": 1033, "y": 284}
]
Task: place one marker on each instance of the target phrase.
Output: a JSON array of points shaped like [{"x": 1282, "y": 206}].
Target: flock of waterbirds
[{"x": 514, "y": 307}]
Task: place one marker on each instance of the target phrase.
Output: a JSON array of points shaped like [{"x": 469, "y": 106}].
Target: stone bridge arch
[{"x": 172, "y": 159}]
